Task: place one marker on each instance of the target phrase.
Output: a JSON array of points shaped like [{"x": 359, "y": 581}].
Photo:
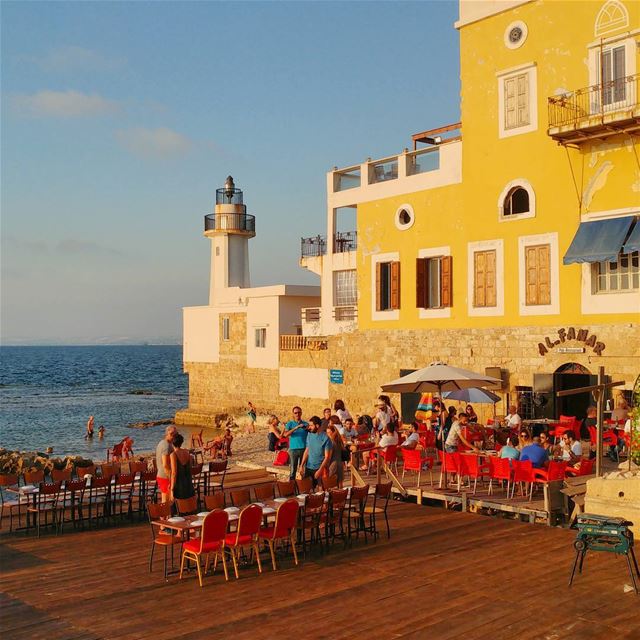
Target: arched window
[
  {"x": 612, "y": 16},
  {"x": 517, "y": 201}
]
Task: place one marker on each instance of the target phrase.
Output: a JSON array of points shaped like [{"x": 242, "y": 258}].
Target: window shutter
[
  {"x": 378, "y": 286},
  {"x": 523, "y": 100},
  {"x": 479, "y": 279},
  {"x": 395, "y": 285},
  {"x": 421, "y": 283},
  {"x": 490, "y": 279},
  {"x": 544, "y": 274},
  {"x": 618, "y": 74},
  {"x": 509, "y": 103},
  {"x": 446, "y": 281},
  {"x": 531, "y": 271}
]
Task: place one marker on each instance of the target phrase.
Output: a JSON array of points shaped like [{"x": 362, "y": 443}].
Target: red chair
[
  {"x": 555, "y": 471},
  {"x": 522, "y": 472},
  {"x": 499, "y": 469},
  {"x": 389, "y": 455},
  {"x": 284, "y": 529},
  {"x": 585, "y": 469},
  {"x": 450, "y": 464},
  {"x": 246, "y": 535},
  {"x": 609, "y": 438},
  {"x": 471, "y": 467},
  {"x": 428, "y": 439},
  {"x": 413, "y": 461},
  {"x": 211, "y": 540}
]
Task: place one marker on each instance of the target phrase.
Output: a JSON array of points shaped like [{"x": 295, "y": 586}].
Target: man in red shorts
[{"x": 163, "y": 463}]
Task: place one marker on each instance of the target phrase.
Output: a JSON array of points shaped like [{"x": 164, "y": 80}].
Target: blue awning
[
  {"x": 633, "y": 243},
  {"x": 599, "y": 241}
]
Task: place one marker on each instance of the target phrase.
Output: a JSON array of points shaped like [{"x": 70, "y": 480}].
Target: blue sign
[{"x": 336, "y": 376}]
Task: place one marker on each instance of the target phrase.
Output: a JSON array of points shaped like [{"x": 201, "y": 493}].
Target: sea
[{"x": 48, "y": 393}]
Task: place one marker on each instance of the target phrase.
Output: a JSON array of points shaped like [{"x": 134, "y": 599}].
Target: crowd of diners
[{"x": 322, "y": 445}]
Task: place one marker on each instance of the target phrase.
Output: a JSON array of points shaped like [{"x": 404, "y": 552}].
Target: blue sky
[{"x": 119, "y": 120}]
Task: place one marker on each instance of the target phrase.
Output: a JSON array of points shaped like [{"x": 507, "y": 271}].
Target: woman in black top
[{"x": 181, "y": 485}]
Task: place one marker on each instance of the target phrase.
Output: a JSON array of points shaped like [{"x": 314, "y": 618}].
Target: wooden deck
[{"x": 443, "y": 575}]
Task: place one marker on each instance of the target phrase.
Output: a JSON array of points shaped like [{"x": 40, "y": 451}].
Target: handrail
[
  {"x": 313, "y": 247},
  {"x": 302, "y": 343},
  {"x": 596, "y": 100},
  {"x": 230, "y": 222}
]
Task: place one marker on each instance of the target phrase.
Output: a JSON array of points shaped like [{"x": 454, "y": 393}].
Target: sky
[{"x": 120, "y": 119}]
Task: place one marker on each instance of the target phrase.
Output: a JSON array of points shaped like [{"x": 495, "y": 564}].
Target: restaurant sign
[{"x": 564, "y": 335}]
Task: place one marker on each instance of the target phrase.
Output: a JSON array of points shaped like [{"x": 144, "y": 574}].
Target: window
[
  {"x": 516, "y": 101},
  {"x": 404, "y": 217},
  {"x": 622, "y": 275},
  {"x": 344, "y": 288},
  {"x": 387, "y": 286},
  {"x": 484, "y": 278},
  {"x": 261, "y": 338},
  {"x": 612, "y": 68},
  {"x": 433, "y": 282},
  {"x": 515, "y": 35},
  {"x": 537, "y": 260},
  {"x": 225, "y": 329},
  {"x": 517, "y": 201}
]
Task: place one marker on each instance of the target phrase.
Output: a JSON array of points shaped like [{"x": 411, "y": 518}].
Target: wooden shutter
[
  {"x": 490, "y": 279},
  {"x": 531, "y": 271},
  {"x": 421, "y": 283},
  {"x": 618, "y": 74},
  {"x": 378, "y": 286},
  {"x": 510, "y": 103},
  {"x": 395, "y": 285},
  {"x": 523, "y": 100},
  {"x": 446, "y": 281},
  {"x": 479, "y": 275},
  {"x": 538, "y": 274}
]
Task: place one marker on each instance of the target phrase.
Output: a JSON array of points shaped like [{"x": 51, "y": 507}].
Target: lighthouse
[{"x": 229, "y": 229}]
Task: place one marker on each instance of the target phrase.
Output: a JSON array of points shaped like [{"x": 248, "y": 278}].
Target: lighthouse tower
[{"x": 229, "y": 229}]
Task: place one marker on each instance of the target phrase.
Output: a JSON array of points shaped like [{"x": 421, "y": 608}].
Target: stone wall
[{"x": 372, "y": 358}]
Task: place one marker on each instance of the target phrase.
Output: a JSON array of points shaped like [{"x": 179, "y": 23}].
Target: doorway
[{"x": 572, "y": 376}]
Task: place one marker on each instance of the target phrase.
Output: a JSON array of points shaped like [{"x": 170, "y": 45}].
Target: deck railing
[
  {"x": 597, "y": 100},
  {"x": 301, "y": 343}
]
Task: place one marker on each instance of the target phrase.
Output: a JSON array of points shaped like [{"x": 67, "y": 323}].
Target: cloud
[
  {"x": 63, "y": 104},
  {"x": 72, "y": 58},
  {"x": 154, "y": 143},
  {"x": 80, "y": 247}
]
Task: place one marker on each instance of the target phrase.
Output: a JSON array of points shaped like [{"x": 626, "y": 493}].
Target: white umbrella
[{"x": 439, "y": 377}]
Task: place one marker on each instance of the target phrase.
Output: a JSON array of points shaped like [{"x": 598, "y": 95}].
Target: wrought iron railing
[
  {"x": 577, "y": 106},
  {"x": 312, "y": 247},
  {"x": 228, "y": 196},
  {"x": 344, "y": 241},
  {"x": 230, "y": 222}
]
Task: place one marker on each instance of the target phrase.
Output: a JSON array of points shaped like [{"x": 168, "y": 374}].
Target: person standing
[
  {"x": 163, "y": 462},
  {"x": 341, "y": 411},
  {"x": 181, "y": 483},
  {"x": 296, "y": 431},
  {"x": 455, "y": 435},
  {"x": 317, "y": 454},
  {"x": 89, "y": 434},
  {"x": 382, "y": 417},
  {"x": 101, "y": 432},
  {"x": 251, "y": 412}
]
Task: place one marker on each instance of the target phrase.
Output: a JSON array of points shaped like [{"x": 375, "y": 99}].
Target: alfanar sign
[{"x": 568, "y": 335}]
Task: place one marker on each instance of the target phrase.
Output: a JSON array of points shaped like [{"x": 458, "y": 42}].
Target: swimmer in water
[{"x": 89, "y": 434}]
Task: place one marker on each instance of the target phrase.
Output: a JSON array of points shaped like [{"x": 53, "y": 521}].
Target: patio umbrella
[
  {"x": 439, "y": 377},
  {"x": 478, "y": 396}
]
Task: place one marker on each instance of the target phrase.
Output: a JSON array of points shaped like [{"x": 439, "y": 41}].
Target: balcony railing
[
  {"x": 579, "y": 107},
  {"x": 302, "y": 343},
  {"x": 230, "y": 222},
  {"x": 344, "y": 241},
  {"x": 310, "y": 314},
  {"x": 228, "y": 196},
  {"x": 313, "y": 247},
  {"x": 345, "y": 314},
  {"x": 383, "y": 170},
  {"x": 423, "y": 160},
  {"x": 348, "y": 178}
]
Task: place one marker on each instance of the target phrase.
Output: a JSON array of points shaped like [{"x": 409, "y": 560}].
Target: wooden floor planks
[{"x": 442, "y": 575}]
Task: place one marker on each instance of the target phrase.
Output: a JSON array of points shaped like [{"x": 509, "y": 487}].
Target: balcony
[
  {"x": 302, "y": 343},
  {"x": 343, "y": 242},
  {"x": 595, "y": 112},
  {"x": 345, "y": 314},
  {"x": 240, "y": 223}
]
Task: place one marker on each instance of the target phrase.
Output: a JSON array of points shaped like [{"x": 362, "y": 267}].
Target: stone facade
[{"x": 374, "y": 357}]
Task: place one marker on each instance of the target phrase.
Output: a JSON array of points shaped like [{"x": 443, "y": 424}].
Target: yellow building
[{"x": 507, "y": 241}]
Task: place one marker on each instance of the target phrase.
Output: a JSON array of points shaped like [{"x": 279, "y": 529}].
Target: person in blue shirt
[
  {"x": 509, "y": 451},
  {"x": 317, "y": 455},
  {"x": 296, "y": 431},
  {"x": 536, "y": 453}
]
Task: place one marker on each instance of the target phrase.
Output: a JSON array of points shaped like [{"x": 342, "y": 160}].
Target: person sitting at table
[
  {"x": 524, "y": 439},
  {"x": 388, "y": 436},
  {"x": 413, "y": 439},
  {"x": 347, "y": 429},
  {"x": 621, "y": 412},
  {"x": 536, "y": 453},
  {"x": 455, "y": 435},
  {"x": 509, "y": 451},
  {"x": 364, "y": 425},
  {"x": 571, "y": 449},
  {"x": 546, "y": 444},
  {"x": 473, "y": 418},
  {"x": 512, "y": 419}
]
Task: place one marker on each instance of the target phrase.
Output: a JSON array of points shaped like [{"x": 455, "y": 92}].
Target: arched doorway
[{"x": 572, "y": 376}]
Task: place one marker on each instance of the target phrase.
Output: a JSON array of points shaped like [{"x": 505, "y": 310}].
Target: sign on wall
[
  {"x": 565, "y": 335},
  {"x": 336, "y": 376}
]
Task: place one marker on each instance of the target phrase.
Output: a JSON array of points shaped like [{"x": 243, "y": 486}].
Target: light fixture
[
  {"x": 229, "y": 188},
  {"x": 434, "y": 140}
]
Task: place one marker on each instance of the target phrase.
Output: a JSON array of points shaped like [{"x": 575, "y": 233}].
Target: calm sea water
[{"x": 48, "y": 393}]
